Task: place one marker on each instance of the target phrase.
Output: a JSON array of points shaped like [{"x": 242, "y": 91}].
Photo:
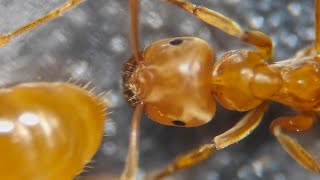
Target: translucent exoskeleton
[
  {"x": 176, "y": 81},
  {"x": 48, "y": 131}
]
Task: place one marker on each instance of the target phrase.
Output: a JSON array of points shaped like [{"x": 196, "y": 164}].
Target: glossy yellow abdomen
[{"x": 48, "y": 131}]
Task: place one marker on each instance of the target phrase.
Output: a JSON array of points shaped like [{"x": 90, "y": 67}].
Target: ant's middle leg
[
  {"x": 5, "y": 38},
  {"x": 260, "y": 40},
  {"x": 242, "y": 129}
]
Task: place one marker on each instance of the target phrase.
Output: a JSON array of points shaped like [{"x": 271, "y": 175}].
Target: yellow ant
[
  {"x": 175, "y": 81},
  {"x": 48, "y": 130}
]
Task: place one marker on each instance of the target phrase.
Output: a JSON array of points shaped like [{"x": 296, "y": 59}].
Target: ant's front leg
[
  {"x": 297, "y": 123},
  {"x": 242, "y": 129},
  {"x": 260, "y": 40},
  {"x": 5, "y": 38}
]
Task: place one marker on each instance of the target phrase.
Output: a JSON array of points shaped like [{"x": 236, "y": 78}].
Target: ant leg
[
  {"x": 262, "y": 42},
  {"x": 242, "y": 129},
  {"x": 5, "y": 38},
  {"x": 315, "y": 48},
  {"x": 130, "y": 170},
  {"x": 295, "y": 123}
]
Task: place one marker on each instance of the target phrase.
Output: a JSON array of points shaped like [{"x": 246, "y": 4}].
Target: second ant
[{"x": 175, "y": 82}]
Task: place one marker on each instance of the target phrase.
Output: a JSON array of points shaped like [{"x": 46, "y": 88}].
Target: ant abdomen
[
  {"x": 173, "y": 81},
  {"x": 48, "y": 130},
  {"x": 242, "y": 80}
]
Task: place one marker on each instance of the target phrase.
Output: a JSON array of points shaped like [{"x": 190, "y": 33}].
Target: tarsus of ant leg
[
  {"x": 242, "y": 129},
  {"x": 317, "y": 25},
  {"x": 130, "y": 170},
  {"x": 51, "y": 15},
  {"x": 134, "y": 32}
]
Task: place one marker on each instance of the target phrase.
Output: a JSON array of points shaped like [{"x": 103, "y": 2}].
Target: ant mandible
[
  {"x": 175, "y": 82},
  {"x": 48, "y": 130}
]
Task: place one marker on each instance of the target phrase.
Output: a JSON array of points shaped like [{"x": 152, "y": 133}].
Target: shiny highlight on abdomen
[{"x": 48, "y": 131}]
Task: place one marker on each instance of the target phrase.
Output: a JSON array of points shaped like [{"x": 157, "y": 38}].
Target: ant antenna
[
  {"x": 5, "y": 38},
  {"x": 134, "y": 34},
  {"x": 317, "y": 25},
  {"x": 131, "y": 166}
]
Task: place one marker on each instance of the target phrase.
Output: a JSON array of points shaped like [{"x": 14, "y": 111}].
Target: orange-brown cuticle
[
  {"x": 173, "y": 82},
  {"x": 232, "y": 78},
  {"x": 48, "y": 130},
  {"x": 301, "y": 87},
  {"x": 265, "y": 82}
]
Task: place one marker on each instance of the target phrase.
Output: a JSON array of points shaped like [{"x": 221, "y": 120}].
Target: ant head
[{"x": 173, "y": 81}]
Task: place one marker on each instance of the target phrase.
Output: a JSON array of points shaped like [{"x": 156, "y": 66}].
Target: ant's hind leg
[
  {"x": 242, "y": 129},
  {"x": 262, "y": 42},
  {"x": 5, "y": 38},
  {"x": 295, "y": 123}
]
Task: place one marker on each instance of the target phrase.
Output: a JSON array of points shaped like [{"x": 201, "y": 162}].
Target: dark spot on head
[
  {"x": 179, "y": 123},
  {"x": 176, "y": 42}
]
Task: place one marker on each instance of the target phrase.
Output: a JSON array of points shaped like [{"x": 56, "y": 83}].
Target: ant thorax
[
  {"x": 242, "y": 80},
  {"x": 173, "y": 81},
  {"x": 300, "y": 87}
]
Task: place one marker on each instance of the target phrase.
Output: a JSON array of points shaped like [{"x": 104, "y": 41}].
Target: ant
[
  {"x": 48, "y": 130},
  {"x": 175, "y": 81}
]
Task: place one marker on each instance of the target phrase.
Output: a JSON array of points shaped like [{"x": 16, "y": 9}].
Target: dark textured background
[{"x": 91, "y": 43}]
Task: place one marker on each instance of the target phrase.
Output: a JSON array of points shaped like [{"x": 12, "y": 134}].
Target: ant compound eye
[
  {"x": 176, "y": 42},
  {"x": 178, "y": 123}
]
